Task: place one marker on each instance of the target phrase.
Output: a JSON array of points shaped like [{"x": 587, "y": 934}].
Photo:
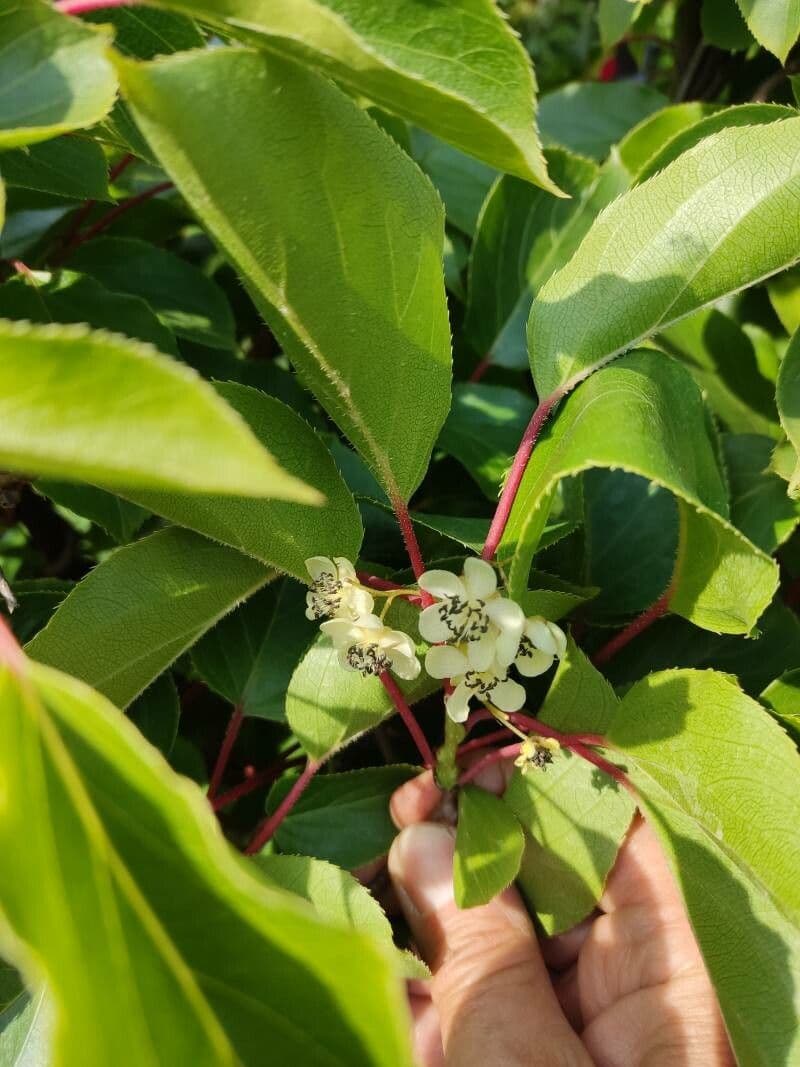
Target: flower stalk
[
  {"x": 408, "y": 717},
  {"x": 266, "y": 831}
]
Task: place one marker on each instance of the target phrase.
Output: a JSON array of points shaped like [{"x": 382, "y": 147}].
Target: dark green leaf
[
  {"x": 759, "y": 504},
  {"x": 782, "y": 697},
  {"x": 118, "y": 517},
  {"x": 68, "y": 166},
  {"x": 590, "y": 117},
  {"x": 157, "y": 712}
]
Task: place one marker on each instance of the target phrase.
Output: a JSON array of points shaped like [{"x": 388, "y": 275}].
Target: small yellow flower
[{"x": 536, "y": 751}]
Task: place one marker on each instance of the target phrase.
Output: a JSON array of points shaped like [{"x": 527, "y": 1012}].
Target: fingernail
[{"x": 421, "y": 866}]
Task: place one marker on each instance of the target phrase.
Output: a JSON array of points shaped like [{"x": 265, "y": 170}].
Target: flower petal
[
  {"x": 534, "y": 663},
  {"x": 441, "y": 584},
  {"x": 357, "y": 600},
  {"x": 508, "y": 695},
  {"x": 506, "y": 615},
  {"x": 341, "y": 631},
  {"x": 431, "y": 626},
  {"x": 457, "y": 704},
  {"x": 537, "y": 629},
  {"x": 560, "y": 639},
  {"x": 404, "y": 666},
  {"x": 481, "y": 653},
  {"x": 319, "y": 565},
  {"x": 445, "y": 661},
  {"x": 370, "y": 622},
  {"x": 345, "y": 569},
  {"x": 479, "y": 578},
  {"x": 506, "y": 648}
]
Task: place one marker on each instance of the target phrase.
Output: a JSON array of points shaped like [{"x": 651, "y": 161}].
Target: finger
[
  {"x": 562, "y": 950},
  {"x": 427, "y": 1033},
  {"x": 491, "y": 988},
  {"x": 567, "y": 989},
  {"x": 419, "y": 799},
  {"x": 641, "y": 874}
]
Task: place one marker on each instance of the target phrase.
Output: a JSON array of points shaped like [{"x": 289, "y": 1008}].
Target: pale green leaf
[
  {"x": 625, "y": 417},
  {"x": 184, "y": 299},
  {"x": 712, "y": 222},
  {"x": 719, "y": 119},
  {"x": 574, "y": 819},
  {"x": 68, "y": 166},
  {"x": 615, "y": 18},
  {"x": 54, "y": 73},
  {"x": 283, "y": 533},
  {"x": 156, "y": 943},
  {"x": 650, "y": 135},
  {"x": 91, "y": 406},
  {"x": 358, "y": 307},
  {"x": 774, "y": 23},
  {"x": 589, "y": 117},
  {"x": 328, "y": 706},
  {"x": 142, "y": 607},
  {"x": 579, "y": 699},
  {"x": 456, "y": 69},
  {"x": 717, "y": 779},
  {"x": 489, "y": 846},
  {"x": 249, "y": 656},
  {"x": 342, "y": 818},
  {"x": 784, "y": 295},
  {"x": 787, "y": 396},
  {"x": 782, "y": 697}
]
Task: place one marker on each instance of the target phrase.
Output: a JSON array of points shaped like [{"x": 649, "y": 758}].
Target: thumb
[{"x": 491, "y": 989}]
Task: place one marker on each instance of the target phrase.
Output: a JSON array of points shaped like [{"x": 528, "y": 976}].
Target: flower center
[
  {"x": 326, "y": 596},
  {"x": 526, "y": 647},
  {"x": 482, "y": 684},
  {"x": 368, "y": 659},
  {"x": 465, "y": 619}
]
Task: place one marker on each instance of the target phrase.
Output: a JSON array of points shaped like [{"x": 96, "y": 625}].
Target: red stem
[
  {"x": 81, "y": 7},
  {"x": 515, "y": 475},
  {"x": 412, "y": 545},
  {"x": 83, "y": 213},
  {"x": 499, "y": 754},
  {"x": 268, "y": 827},
  {"x": 528, "y": 722},
  {"x": 407, "y": 715},
  {"x": 250, "y": 785},
  {"x": 482, "y": 742},
  {"x": 604, "y": 765},
  {"x": 624, "y": 637},
  {"x": 480, "y": 369},
  {"x": 110, "y": 218},
  {"x": 228, "y": 741}
]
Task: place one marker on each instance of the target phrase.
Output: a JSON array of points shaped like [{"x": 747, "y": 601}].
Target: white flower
[
  {"x": 540, "y": 644},
  {"x": 335, "y": 591},
  {"x": 470, "y": 610},
  {"x": 367, "y": 646},
  {"x": 445, "y": 661}
]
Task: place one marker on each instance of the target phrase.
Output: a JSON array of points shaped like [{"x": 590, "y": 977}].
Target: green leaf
[
  {"x": 723, "y": 25},
  {"x": 118, "y": 517},
  {"x": 84, "y": 405},
  {"x": 722, "y": 360},
  {"x": 615, "y": 18},
  {"x": 183, "y": 298},
  {"x": 68, "y": 166},
  {"x": 37, "y": 599},
  {"x": 341, "y": 818},
  {"x": 24, "y": 1031},
  {"x": 137, "y": 611},
  {"x": 489, "y": 846},
  {"x": 144, "y": 33},
  {"x": 554, "y": 603},
  {"x": 459, "y": 72},
  {"x": 774, "y": 23},
  {"x": 337, "y": 897},
  {"x": 650, "y": 135},
  {"x": 54, "y": 73},
  {"x": 72, "y": 298},
  {"x": 218, "y": 965},
  {"x": 625, "y": 417},
  {"x": 157, "y": 712},
  {"x": 590, "y": 117},
  {"x": 669, "y": 247},
  {"x": 249, "y": 656},
  {"x": 760, "y": 507},
  {"x": 460, "y": 180},
  {"x": 784, "y": 295},
  {"x": 523, "y": 236},
  {"x": 787, "y": 396},
  {"x": 385, "y": 377},
  {"x": 673, "y": 642},
  {"x": 713, "y": 771},
  {"x": 738, "y": 115},
  {"x": 327, "y": 706},
  {"x": 574, "y": 819},
  {"x": 579, "y": 699},
  {"x": 283, "y": 533},
  {"x": 483, "y": 430},
  {"x": 782, "y": 697}
]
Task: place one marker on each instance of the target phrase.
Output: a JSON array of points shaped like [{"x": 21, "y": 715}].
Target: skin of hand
[{"x": 626, "y": 988}]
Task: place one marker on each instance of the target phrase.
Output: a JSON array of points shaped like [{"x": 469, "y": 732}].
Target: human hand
[{"x": 626, "y": 988}]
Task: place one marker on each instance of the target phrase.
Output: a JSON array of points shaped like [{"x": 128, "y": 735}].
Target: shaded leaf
[
  {"x": 489, "y": 846},
  {"x": 376, "y": 354},
  {"x": 460, "y": 180},
  {"x": 787, "y": 396},
  {"x": 37, "y": 599},
  {"x": 590, "y": 117},
  {"x": 156, "y": 713},
  {"x": 782, "y": 697},
  {"x": 73, "y": 167},
  {"x": 119, "y": 518},
  {"x": 137, "y": 611},
  {"x": 650, "y": 135},
  {"x": 723, "y": 25},
  {"x": 759, "y": 504},
  {"x": 579, "y": 699}
]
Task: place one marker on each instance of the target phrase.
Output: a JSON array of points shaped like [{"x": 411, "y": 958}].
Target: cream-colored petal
[
  {"x": 370, "y": 622},
  {"x": 345, "y": 569},
  {"x": 534, "y": 664},
  {"x": 404, "y": 666},
  {"x": 357, "y": 600},
  {"x": 537, "y": 630},
  {"x": 431, "y": 626},
  {"x": 481, "y": 653},
  {"x": 319, "y": 565},
  {"x": 342, "y": 632},
  {"x": 506, "y": 648},
  {"x": 457, "y": 704},
  {"x": 442, "y": 584},
  {"x": 560, "y": 639},
  {"x": 508, "y": 695},
  {"x": 506, "y": 615},
  {"x": 444, "y": 661},
  {"x": 480, "y": 578}
]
